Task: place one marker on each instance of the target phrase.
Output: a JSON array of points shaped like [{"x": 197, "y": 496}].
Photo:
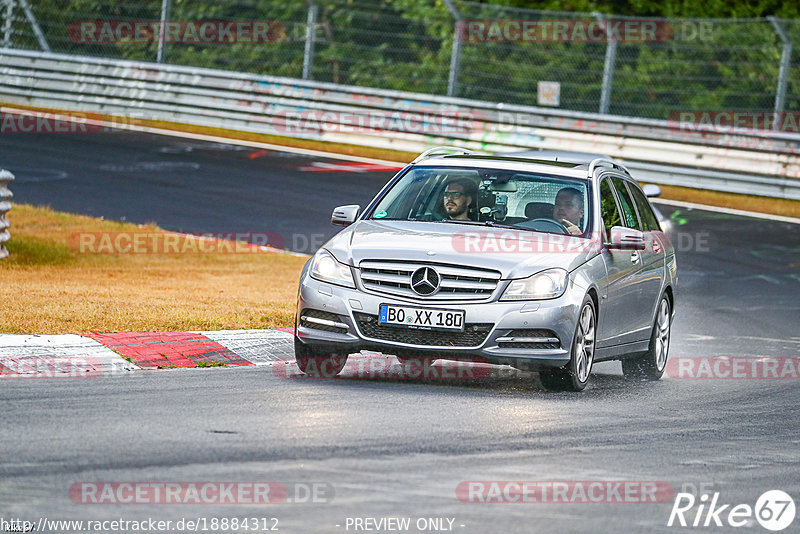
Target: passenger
[
  {"x": 568, "y": 209},
  {"x": 458, "y": 197}
]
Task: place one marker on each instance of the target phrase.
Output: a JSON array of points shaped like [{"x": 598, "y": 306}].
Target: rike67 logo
[{"x": 774, "y": 510}]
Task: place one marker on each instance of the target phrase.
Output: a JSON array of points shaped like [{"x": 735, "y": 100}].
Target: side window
[
  {"x": 649, "y": 221},
  {"x": 626, "y": 203},
  {"x": 608, "y": 207}
]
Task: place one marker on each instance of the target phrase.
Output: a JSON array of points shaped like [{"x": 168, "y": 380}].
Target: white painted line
[
  {"x": 212, "y": 138},
  {"x": 58, "y": 356},
  {"x": 729, "y": 211},
  {"x": 260, "y": 347}
]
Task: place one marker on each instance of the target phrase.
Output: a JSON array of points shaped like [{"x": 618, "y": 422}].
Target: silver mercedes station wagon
[{"x": 539, "y": 264}]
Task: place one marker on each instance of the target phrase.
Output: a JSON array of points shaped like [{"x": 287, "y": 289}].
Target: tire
[
  {"x": 313, "y": 363},
  {"x": 651, "y": 365},
  {"x": 575, "y": 375}
]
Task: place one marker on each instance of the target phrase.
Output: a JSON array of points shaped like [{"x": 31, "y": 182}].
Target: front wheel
[
  {"x": 651, "y": 366},
  {"x": 313, "y": 363},
  {"x": 575, "y": 375}
]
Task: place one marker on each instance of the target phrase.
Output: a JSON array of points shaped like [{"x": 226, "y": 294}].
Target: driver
[
  {"x": 457, "y": 198},
  {"x": 568, "y": 209}
]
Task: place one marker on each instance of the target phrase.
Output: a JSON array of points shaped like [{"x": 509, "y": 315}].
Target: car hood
[{"x": 515, "y": 253}]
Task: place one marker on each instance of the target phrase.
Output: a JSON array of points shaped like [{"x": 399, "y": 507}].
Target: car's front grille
[
  {"x": 325, "y": 321},
  {"x": 456, "y": 282},
  {"x": 473, "y": 334},
  {"x": 529, "y": 338}
]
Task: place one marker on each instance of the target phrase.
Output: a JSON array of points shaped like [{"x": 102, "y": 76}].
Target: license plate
[{"x": 421, "y": 317}]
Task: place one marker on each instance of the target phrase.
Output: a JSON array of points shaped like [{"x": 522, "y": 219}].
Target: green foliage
[{"x": 665, "y": 8}]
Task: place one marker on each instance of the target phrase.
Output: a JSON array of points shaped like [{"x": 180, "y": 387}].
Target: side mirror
[
  {"x": 651, "y": 190},
  {"x": 345, "y": 215},
  {"x": 626, "y": 239}
]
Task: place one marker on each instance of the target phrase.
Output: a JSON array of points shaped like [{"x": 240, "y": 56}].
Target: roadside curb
[{"x": 74, "y": 356}]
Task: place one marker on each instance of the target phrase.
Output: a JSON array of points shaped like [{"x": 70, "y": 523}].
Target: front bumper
[{"x": 497, "y": 322}]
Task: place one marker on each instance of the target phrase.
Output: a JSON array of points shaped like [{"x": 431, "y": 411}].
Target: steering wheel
[{"x": 543, "y": 223}]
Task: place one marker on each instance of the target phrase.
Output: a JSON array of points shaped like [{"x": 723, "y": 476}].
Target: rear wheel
[
  {"x": 651, "y": 366},
  {"x": 575, "y": 375},
  {"x": 315, "y": 363}
]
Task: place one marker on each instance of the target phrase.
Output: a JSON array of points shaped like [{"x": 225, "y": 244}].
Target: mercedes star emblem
[{"x": 425, "y": 281}]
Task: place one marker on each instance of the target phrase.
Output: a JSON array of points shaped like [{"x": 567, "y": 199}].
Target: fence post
[
  {"x": 455, "y": 55},
  {"x": 7, "y": 23},
  {"x": 5, "y": 205},
  {"x": 608, "y": 68},
  {"x": 311, "y": 26},
  {"x": 783, "y": 73},
  {"x": 166, "y": 8},
  {"x": 35, "y": 25}
]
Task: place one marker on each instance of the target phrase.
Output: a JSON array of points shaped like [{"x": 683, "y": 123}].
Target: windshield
[{"x": 491, "y": 197}]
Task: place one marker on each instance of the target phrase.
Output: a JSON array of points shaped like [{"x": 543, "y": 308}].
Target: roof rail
[
  {"x": 605, "y": 162},
  {"x": 442, "y": 151}
]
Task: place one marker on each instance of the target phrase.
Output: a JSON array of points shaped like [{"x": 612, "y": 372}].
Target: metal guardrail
[
  {"x": 5, "y": 205},
  {"x": 461, "y": 48},
  {"x": 730, "y": 182},
  {"x": 751, "y": 162}
]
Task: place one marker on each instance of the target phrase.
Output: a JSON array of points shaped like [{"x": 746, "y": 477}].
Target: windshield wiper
[
  {"x": 491, "y": 224},
  {"x": 462, "y": 221}
]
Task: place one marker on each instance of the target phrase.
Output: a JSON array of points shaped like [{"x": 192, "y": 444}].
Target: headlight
[
  {"x": 328, "y": 269},
  {"x": 547, "y": 284}
]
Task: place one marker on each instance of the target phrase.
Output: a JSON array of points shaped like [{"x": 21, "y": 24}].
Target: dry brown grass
[{"x": 49, "y": 287}]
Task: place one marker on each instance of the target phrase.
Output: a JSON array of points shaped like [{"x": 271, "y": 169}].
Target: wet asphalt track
[
  {"x": 393, "y": 448},
  {"x": 184, "y": 185}
]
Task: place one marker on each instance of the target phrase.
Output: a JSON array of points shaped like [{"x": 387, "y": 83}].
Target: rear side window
[
  {"x": 626, "y": 203},
  {"x": 648, "y": 218},
  {"x": 608, "y": 207}
]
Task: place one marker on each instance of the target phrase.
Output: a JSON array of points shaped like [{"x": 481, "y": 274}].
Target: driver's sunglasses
[{"x": 453, "y": 194}]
